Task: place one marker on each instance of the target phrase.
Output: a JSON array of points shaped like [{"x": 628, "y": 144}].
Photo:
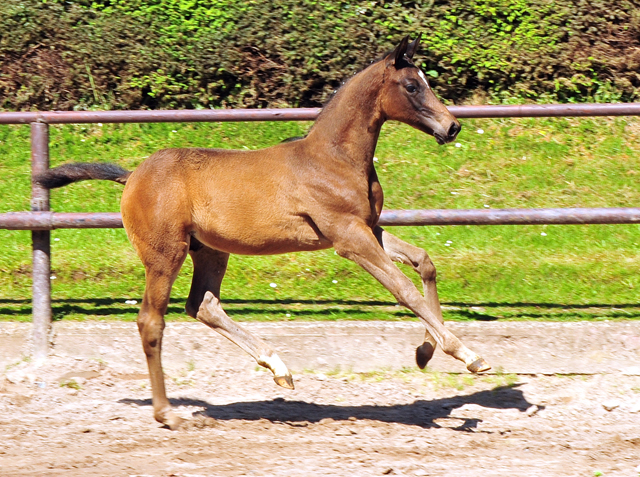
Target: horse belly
[{"x": 268, "y": 236}]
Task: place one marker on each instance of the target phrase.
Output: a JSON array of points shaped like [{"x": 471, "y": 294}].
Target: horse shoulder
[{"x": 333, "y": 192}]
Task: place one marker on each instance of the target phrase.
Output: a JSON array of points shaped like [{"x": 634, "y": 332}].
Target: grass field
[{"x": 485, "y": 273}]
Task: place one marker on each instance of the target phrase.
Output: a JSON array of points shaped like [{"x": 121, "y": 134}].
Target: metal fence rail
[
  {"x": 41, "y": 220},
  {"x": 112, "y": 220},
  {"x": 308, "y": 114}
]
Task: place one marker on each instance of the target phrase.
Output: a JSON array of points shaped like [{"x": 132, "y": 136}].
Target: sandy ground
[{"x": 99, "y": 422}]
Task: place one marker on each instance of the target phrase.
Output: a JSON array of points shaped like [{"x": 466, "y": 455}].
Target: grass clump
[{"x": 70, "y": 384}]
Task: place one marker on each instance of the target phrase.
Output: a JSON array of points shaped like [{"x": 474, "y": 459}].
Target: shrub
[{"x": 133, "y": 54}]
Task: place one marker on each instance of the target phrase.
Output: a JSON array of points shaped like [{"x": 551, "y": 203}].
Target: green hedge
[{"x": 133, "y": 54}]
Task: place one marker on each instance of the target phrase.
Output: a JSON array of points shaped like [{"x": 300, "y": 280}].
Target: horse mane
[
  {"x": 332, "y": 96},
  {"x": 344, "y": 82},
  {"x": 409, "y": 63}
]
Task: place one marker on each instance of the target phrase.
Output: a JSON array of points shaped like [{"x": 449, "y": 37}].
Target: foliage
[{"x": 80, "y": 54}]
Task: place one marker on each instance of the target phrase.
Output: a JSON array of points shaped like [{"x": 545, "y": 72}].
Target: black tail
[
  {"x": 77, "y": 171},
  {"x": 294, "y": 138}
]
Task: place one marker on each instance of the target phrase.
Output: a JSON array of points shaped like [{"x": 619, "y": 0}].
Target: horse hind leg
[
  {"x": 203, "y": 304},
  {"x": 400, "y": 251},
  {"x": 161, "y": 270},
  {"x": 212, "y": 315}
]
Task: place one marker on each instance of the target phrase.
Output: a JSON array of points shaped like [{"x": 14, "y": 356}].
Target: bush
[{"x": 209, "y": 53}]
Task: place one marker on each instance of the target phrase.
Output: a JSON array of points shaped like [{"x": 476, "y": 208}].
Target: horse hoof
[
  {"x": 174, "y": 422},
  {"x": 170, "y": 420},
  {"x": 281, "y": 374},
  {"x": 479, "y": 366},
  {"x": 424, "y": 353},
  {"x": 284, "y": 381}
]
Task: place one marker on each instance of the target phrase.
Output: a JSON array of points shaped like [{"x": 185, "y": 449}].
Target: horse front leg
[
  {"x": 400, "y": 251},
  {"x": 209, "y": 267},
  {"x": 357, "y": 242}
]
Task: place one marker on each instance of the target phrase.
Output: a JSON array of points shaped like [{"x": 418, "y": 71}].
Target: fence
[{"x": 40, "y": 220}]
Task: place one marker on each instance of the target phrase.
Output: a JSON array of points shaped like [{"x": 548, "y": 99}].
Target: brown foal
[{"x": 317, "y": 192}]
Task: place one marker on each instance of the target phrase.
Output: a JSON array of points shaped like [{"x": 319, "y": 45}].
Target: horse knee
[{"x": 426, "y": 268}]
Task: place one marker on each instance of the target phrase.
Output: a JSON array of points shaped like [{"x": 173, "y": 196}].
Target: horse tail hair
[
  {"x": 77, "y": 171},
  {"x": 291, "y": 139}
]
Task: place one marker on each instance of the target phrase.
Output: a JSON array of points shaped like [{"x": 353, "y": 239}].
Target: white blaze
[{"x": 424, "y": 78}]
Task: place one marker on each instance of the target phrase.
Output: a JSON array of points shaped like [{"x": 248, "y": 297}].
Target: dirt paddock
[{"x": 79, "y": 416}]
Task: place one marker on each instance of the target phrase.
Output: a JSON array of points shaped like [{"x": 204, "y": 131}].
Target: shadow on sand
[{"x": 419, "y": 413}]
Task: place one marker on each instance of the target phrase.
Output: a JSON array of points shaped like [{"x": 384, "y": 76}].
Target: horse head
[{"x": 407, "y": 96}]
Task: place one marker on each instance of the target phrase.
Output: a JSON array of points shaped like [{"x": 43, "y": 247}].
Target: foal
[{"x": 310, "y": 194}]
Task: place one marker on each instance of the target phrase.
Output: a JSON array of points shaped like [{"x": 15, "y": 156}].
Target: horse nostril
[{"x": 454, "y": 129}]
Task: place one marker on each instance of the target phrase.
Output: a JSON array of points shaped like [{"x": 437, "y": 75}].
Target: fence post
[{"x": 41, "y": 240}]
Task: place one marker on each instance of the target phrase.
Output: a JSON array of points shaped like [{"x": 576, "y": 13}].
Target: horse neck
[{"x": 349, "y": 126}]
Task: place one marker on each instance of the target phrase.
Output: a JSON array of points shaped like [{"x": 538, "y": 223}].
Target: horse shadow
[{"x": 421, "y": 413}]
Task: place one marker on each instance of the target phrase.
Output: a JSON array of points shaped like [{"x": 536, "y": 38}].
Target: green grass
[
  {"x": 436, "y": 379},
  {"x": 485, "y": 273}
]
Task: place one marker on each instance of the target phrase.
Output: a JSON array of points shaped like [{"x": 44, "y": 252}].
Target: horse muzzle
[
  {"x": 446, "y": 133},
  {"x": 450, "y": 135}
]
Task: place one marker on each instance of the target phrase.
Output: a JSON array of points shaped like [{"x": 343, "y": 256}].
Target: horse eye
[{"x": 411, "y": 88}]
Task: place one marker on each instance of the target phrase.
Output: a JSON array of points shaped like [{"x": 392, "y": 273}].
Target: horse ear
[
  {"x": 413, "y": 46},
  {"x": 400, "y": 51}
]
